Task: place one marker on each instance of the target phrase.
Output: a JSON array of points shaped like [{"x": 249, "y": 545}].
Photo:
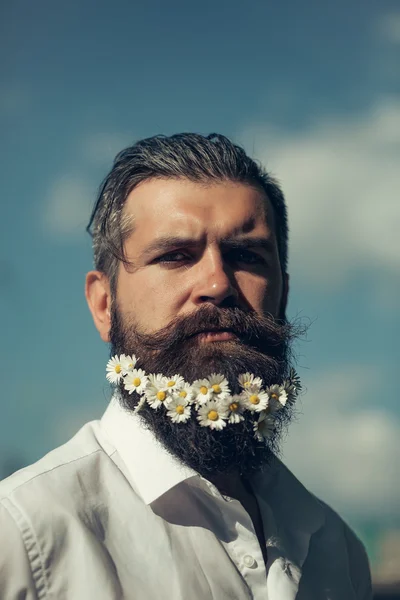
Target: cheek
[
  {"x": 263, "y": 295},
  {"x": 152, "y": 300}
]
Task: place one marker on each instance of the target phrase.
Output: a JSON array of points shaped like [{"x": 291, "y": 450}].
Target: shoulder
[
  {"x": 340, "y": 537},
  {"x": 59, "y": 464},
  {"x": 333, "y": 550},
  {"x": 67, "y": 481}
]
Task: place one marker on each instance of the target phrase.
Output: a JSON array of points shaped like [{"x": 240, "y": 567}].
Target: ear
[
  {"x": 285, "y": 295},
  {"x": 98, "y": 297}
]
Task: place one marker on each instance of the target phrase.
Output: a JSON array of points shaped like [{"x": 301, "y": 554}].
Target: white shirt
[{"x": 111, "y": 515}]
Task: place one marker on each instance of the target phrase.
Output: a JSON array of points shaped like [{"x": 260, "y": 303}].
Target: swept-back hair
[{"x": 204, "y": 159}]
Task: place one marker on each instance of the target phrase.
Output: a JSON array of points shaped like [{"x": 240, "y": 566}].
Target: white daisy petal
[
  {"x": 174, "y": 383},
  {"x": 136, "y": 381},
  {"x": 277, "y": 397},
  {"x": 178, "y": 410},
  {"x": 157, "y": 391},
  {"x": 201, "y": 391},
  {"x": 247, "y": 380},
  {"x": 114, "y": 369},
  {"x": 212, "y": 414},
  {"x": 185, "y": 391},
  {"x": 264, "y": 427},
  {"x": 235, "y": 406},
  {"x": 128, "y": 363},
  {"x": 219, "y": 386},
  {"x": 256, "y": 400}
]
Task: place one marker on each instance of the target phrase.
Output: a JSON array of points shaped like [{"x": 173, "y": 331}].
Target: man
[{"x": 177, "y": 492}]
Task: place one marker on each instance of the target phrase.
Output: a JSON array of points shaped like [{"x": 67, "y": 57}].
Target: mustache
[{"x": 254, "y": 330}]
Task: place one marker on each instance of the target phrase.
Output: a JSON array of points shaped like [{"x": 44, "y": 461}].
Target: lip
[{"x": 216, "y": 336}]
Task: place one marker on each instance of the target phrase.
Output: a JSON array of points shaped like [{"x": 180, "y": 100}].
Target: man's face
[{"x": 195, "y": 244}]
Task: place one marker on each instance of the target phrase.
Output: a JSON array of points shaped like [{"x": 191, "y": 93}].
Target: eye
[
  {"x": 246, "y": 256},
  {"x": 172, "y": 257}
]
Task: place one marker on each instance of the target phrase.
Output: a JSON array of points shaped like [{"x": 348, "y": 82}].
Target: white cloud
[
  {"x": 67, "y": 206},
  {"x": 342, "y": 180},
  {"x": 389, "y": 27},
  {"x": 346, "y": 454}
]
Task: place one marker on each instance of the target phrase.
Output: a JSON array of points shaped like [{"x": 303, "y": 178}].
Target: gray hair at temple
[{"x": 204, "y": 159}]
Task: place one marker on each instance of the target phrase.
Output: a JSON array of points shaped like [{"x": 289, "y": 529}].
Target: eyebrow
[{"x": 166, "y": 243}]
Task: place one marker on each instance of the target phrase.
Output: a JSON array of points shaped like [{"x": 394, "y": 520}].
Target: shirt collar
[{"x": 153, "y": 469}]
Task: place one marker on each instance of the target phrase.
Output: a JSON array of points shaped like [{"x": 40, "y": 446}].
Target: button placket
[{"x": 249, "y": 561}]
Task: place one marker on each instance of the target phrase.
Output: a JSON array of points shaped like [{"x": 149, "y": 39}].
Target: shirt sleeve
[
  {"x": 359, "y": 566},
  {"x": 16, "y": 578}
]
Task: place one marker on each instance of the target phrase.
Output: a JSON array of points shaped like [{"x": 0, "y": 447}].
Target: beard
[{"x": 262, "y": 346}]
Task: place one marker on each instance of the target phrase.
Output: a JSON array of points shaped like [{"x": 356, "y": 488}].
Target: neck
[{"x": 232, "y": 485}]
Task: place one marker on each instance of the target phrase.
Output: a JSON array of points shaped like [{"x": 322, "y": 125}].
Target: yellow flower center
[
  {"x": 130, "y": 366},
  {"x": 254, "y": 399},
  {"x": 137, "y": 381},
  {"x": 247, "y": 384},
  {"x": 117, "y": 368},
  {"x": 180, "y": 409},
  {"x": 274, "y": 396},
  {"x": 216, "y": 388},
  {"x": 161, "y": 396},
  {"x": 203, "y": 390},
  {"x": 212, "y": 415},
  {"x": 233, "y": 407},
  {"x": 171, "y": 383}
]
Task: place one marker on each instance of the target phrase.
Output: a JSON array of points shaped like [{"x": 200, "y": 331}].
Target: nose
[{"x": 215, "y": 281}]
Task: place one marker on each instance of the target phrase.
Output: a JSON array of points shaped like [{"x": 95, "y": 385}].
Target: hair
[{"x": 198, "y": 158}]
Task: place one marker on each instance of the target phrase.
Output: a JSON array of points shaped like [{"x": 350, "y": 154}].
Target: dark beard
[{"x": 262, "y": 347}]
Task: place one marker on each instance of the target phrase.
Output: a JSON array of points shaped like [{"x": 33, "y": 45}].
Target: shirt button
[{"x": 249, "y": 561}]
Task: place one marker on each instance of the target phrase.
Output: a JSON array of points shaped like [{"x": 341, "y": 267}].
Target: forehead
[{"x": 174, "y": 206}]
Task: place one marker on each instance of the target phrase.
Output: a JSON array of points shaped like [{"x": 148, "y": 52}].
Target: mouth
[{"x": 216, "y": 335}]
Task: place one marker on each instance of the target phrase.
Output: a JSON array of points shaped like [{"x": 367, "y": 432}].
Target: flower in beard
[
  {"x": 174, "y": 383},
  {"x": 264, "y": 427},
  {"x": 212, "y": 414},
  {"x": 277, "y": 397},
  {"x": 114, "y": 369},
  {"x": 178, "y": 409},
  {"x": 248, "y": 380},
  {"x": 157, "y": 392},
  {"x": 292, "y": 386},
  {"x": 215, "y": 387},
  {"x": 235, "y": 406},
  {"x": 128, "y": 363},
  {"x": 136, "y": 381},
  {"x": 255, "y": 399},
  {"x": 184, "y": 391}
]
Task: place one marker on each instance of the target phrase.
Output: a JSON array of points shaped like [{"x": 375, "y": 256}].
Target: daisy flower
[
  {"x": 174, "y": 383},
  {"x": 136, "y": 381},
  {"x": 157, "y": 391},
  {"x": 212, "y": 415},
  {"x": 128, "y": 362},
  {"x": 185, "y": 391},
  {"x": 292, "y": 385},
  {"x": 114, "y": 369},
  {"x": 234, "y": 405},
  {"x": 264, "y": 427},
  {"x": 178, "y": 410},
  {"x": 277, "y": 397},
  {"x": 247, "y": 380},
  {"x": 213, "y": 387},
  {"x": 256, "y": 400}
]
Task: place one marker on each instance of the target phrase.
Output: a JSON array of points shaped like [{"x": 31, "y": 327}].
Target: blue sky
[{"x": 313, "y": 91}]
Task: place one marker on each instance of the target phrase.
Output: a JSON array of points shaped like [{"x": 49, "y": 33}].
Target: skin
[{"x": 227, "y": 256}]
